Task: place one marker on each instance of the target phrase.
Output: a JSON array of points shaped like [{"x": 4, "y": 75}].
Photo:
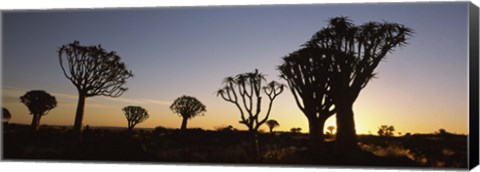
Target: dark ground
[{"x": 226, "y": 146}]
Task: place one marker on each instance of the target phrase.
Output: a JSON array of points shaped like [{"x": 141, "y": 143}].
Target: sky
[{"x": 177, "y": 51}]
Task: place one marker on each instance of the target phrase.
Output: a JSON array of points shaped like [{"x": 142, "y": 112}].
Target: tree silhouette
[
  {"x": 135, "y": 115},
  {"x": 381, "y": 131},
  {"x": 39, "y": 103},
  {"x": 353, "y": 52},
  {"x": 272, "y": 124},
  {"x": 385, "y": 130},
  {"x": 93, "y": 71},
  {"x": 187, "y": 107},
  {"x": 5, "y": 115},
  {"x": 245, "y": 91},
  {"x": 331, "y": 128},
  {"x": 442, "y": 131},
  {"x": 390, "y": 130},
  {"x": 296, "y": 130},
  {"x": 307, "y": 76}
]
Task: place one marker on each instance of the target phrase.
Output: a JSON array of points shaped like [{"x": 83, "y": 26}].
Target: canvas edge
[{"x": 473, "y": 155}]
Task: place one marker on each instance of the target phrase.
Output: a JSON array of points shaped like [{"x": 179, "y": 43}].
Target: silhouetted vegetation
[
  {"x": 307, "y": 77},
  {"x": 187, "y": 107},
  {"x": 135, "y": 115},
  {"x": 344, "y": 57},
  {"x": 39, "y": 103},
  {"x": 225, "y": 146},
  {"x": 386, "y": 130},
  {"x": 93, "y": 71},
  {"x": 245, "y": 91},
  {"x": 6, "y": 116},
  {"x": 296, "y": 130},
  {"x": 272, "y": 124},
  {"x": 225, "y": 128}
]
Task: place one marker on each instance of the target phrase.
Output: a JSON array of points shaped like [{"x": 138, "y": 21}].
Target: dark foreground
[{"x": 226, "y": 146}]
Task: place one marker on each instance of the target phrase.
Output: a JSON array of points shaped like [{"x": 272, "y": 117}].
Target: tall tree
[
  {"x": 6, "y": 115},
  {"x": 272, "y": 124},
  {"x": 93, "y": 71},
  {"x": 353, "y": 53},
  {"x": 187, "y": 107},
  {"x": 39, "y": 103},
  {"x": 135, "y": 115},
  {"x": 245, "y": 92},
  {"x": 308, "y": 77}
]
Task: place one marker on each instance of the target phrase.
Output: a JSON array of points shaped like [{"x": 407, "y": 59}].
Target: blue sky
[{"x": 189, "y": 50}]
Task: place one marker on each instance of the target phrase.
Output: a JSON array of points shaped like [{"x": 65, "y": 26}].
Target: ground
[{"x": 198, "y": 146}]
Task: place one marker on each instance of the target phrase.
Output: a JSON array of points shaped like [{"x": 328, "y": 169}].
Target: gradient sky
[{"x": 188, "y": 51}]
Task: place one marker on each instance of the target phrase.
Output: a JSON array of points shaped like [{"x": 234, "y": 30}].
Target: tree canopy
[
  {"x": 39, "y": 103},
  {"x": 187, "y": 107},
  {"x": 135, "y": 115},
  {"x": 93, "y": 71},
  {"x": 245, "y": 91},
  {"x": 272, "y": 124}
]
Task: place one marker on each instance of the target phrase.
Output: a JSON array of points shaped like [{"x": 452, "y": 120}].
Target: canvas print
[{"x": 322, "y": 85}]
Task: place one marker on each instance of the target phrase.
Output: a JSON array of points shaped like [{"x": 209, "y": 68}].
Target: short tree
[
  {"x": 5, "y": 115},
  {"x": 135, "y": 115},
  {"x": 390, "y": 130},
  {"x": 385, "y": 130},
  {"x": 93, "y": 71},
  {"x": 381, "y": 131},
  {"x": 272, "y": 124},
  {"x": 442, "y": 131},
  {"x": 296, "y": 130},
  {"x": 187, "y": 107},
  {"x": 39, "y": 103},
  {"x": 245, "y": 92}
]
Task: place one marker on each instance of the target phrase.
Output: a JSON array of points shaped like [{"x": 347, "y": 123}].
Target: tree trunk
[
  {"x": 130, "y": 128},
  {"x": 316, "y": 144},
  {"x": 184, "y": 124},
  {"x": 271, "y": 130},
  {"x": 346, "y": 138},
  {"x": 77, "y": 126},
  {"x": 254, "y": 147},
  {"x": 35, "y": 122}
]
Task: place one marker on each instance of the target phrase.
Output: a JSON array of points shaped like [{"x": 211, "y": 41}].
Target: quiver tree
[
  {"x": 39, "y": 103},
  {"x": 272, "y": 124},
  {"x": 93, "y": 71},
  {"x": 187, "y": 107},
  {"x": 135, "y": 115},
  {"x": 353, "y": 52},
  {"x": 245, "y": 92},
  {"x": 5, "y": 115},
  {"x": 307, "y": 77}
]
